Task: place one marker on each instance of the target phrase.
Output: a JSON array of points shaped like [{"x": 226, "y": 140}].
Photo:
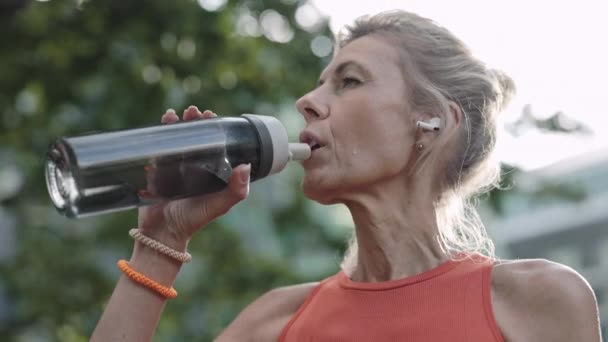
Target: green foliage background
[{"x": 72, "y": 67}]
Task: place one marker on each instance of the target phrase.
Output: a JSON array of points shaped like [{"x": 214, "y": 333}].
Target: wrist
[
  {"x": 165, "y": 236},
  {"x": 182, "y": 257},
  {"x": 155, "y": 265}
]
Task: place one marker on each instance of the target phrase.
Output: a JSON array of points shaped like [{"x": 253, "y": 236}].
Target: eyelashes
[
  {"x": 344, "y": 82},
  {"x": 347, "y": 82}
]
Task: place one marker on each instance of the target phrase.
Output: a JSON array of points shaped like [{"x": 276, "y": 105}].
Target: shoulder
[
  {"x": 542, "y": 300},
  {"x": 264, "y": 319}
]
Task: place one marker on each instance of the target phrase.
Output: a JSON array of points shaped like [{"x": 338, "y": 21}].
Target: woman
[{"x": 421, "y": 266}]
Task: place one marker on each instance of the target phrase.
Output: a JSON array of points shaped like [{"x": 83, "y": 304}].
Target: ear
[
  {"x": 427, "y": 126},
  {"x": 448, "y": 123},
  {"x": 454, "y": 117}
]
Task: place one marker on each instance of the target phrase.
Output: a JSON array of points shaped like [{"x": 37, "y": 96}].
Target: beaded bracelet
[
  {"x": 167, "y": 292},
  {"x": 182, "y": 257}
]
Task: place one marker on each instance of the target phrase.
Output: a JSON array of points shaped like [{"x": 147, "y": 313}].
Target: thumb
[
  {"x": 237, "y": 190},
  {"x": 238, "y": 184}
]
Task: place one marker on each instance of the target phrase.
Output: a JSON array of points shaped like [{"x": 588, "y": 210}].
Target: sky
[{"x": 556, "y": 52}]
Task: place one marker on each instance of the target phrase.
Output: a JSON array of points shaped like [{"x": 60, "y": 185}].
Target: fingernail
[
  {"x": 170, "y": 111},
  {"x": 144, "y": 193},
  {"x": 245, "y": 175}
]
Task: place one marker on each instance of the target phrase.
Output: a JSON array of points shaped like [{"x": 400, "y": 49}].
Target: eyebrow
[{"x": 342, "y": 66}]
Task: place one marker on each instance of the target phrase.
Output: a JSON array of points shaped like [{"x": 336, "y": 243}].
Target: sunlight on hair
[{"x": 556, "y": 67}]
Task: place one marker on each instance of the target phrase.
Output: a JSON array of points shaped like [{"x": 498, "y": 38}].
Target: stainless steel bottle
[{"x": 108, "y": 172}]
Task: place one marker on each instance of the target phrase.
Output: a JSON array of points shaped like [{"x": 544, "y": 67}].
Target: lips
[{"x": 309, "y": 138}]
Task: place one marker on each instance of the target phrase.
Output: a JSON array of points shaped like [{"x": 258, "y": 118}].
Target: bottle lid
[
  {"x": 276, "y": 145},
  {"x": 299, "y": 151}
]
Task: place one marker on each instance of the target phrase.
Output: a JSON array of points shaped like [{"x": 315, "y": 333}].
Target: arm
[
  {"x": 133, "y": 311},
  {"x": 538, "y": 300},
  {"x": 262, "y": 320},
  {"x": 265, "y": 318}
]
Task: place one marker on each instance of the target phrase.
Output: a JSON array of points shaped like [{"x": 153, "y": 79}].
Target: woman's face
[{"x": 358, "y": 115}]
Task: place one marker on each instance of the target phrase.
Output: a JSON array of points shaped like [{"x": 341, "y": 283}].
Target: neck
[{"x": 397, "y": 234}]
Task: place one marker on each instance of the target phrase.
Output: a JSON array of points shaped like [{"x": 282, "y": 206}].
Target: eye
[{"x": 349, "y": 82}]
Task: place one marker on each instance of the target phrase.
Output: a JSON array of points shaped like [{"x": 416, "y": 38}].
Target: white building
[{"x": 571, "y": 229}]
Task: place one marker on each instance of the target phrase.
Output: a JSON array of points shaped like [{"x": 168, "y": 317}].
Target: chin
[{"x": 318, "y": 192}]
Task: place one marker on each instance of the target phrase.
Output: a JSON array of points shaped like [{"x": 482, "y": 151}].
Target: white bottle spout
[{"x": 299, "y": 151}]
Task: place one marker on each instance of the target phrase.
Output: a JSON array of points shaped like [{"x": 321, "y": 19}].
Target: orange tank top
[{"x": 448, "y": 303}]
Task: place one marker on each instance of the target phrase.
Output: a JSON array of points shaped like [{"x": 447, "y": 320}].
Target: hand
[{"x": 174, "y": 222}]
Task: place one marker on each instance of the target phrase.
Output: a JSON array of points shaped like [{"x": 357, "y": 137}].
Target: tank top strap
[
  {"x": 302, "y": 307},
  {"x": 486, "y": 291}
]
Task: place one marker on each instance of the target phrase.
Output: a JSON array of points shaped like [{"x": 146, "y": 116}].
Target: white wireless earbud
[{"x": 433, "y": 125}]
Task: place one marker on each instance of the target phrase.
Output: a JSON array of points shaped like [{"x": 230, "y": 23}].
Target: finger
[
  {"x": 169, "y": 116},
  {"x": 237, "y": 190},
  {"x": 238, "y": 184},
  {"x": 192, "y": 113},
  {"x": 208, "y": 114}
]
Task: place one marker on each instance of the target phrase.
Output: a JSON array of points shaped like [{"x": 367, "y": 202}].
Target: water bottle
[{"x": 107, "y": 172}]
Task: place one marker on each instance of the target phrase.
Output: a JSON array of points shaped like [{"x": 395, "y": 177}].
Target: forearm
[{"x": 133, "y": 310}]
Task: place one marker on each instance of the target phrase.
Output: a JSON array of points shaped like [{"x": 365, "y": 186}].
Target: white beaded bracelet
[{"x": 159, "y": 247}]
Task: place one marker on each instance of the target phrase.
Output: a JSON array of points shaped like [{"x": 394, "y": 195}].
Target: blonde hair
[{"x": 440, "y": 69}]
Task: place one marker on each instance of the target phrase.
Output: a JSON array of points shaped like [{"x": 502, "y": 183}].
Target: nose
[{"x": 311, "y": 106}]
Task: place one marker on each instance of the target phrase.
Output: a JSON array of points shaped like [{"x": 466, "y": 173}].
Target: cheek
[
  {"x": 381, "y": 140},
  {"x": 382, "y": 161},
  {"x": 374, "y": 151}
]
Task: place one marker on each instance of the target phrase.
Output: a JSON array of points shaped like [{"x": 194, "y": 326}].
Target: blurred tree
[
  {"x": 9, "y": 7},
  {"x": 544, "y": 189},
  {"x": 72, "y": 66},
  {"x": 69, "y": 67}
]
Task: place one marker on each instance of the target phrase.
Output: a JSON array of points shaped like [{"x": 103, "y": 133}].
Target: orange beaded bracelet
[{"x": 167, "y": 292}]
